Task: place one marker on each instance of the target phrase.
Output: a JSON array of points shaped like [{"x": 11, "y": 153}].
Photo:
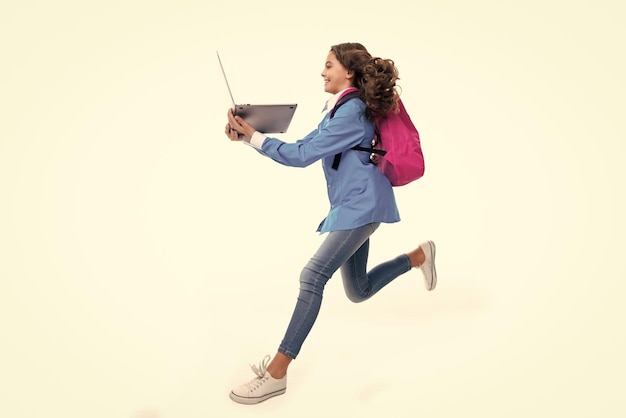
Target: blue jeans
[{"x": 347, "y": 250}]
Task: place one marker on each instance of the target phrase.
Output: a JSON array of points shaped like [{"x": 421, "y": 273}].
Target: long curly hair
[{"x": 374, "y": 77}]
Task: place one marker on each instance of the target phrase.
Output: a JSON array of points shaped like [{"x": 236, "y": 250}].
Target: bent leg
[{"x": 359, "y": 284}]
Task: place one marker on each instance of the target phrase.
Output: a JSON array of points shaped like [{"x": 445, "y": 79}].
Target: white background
[{"x": 145, "y": 260}]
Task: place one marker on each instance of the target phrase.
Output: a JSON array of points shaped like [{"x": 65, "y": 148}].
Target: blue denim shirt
[{"x": 359, "y": 193}]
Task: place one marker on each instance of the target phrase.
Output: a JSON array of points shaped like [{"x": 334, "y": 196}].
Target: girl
[{"x": 361, "y": 198}]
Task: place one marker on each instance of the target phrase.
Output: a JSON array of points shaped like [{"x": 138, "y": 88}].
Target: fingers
[
  {"x": 237, "y": 127},
  {"x": 232, "y": 133},
  {"x": 233, "y": 122},
  {"x": 238, "y": 122}
]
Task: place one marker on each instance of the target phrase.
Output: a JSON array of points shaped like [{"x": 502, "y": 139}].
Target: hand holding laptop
[{"x": 237, "y": 128}]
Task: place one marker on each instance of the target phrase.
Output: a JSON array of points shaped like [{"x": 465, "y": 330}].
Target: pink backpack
[{"x": 396, "y": 148}]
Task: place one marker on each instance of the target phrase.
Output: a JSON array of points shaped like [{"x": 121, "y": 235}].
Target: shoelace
[{"x": 260, "y": 372}]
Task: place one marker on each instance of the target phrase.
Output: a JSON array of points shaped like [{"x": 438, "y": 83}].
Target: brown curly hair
[{"x": 374, "y": 77}]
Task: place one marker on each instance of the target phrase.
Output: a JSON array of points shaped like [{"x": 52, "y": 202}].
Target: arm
[{"x": 343, "y": 131}]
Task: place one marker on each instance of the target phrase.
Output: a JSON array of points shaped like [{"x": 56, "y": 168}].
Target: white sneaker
[
  {"x": 261, "y": 388},
  {"x": 428, "y": 266}
]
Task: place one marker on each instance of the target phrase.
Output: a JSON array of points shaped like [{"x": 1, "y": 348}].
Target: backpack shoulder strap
[{"x": 341, "y": 101}]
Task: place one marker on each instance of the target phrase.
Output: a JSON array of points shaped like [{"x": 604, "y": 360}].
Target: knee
[
  {"x": 355, "y": 297},
  {"x": 312, "y": 281}
]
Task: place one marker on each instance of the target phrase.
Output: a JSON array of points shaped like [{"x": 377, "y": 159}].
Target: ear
[{"x": 349, "y": 74}]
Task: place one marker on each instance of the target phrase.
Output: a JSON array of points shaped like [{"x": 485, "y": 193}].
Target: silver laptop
[{"x": 264, "y": 118}]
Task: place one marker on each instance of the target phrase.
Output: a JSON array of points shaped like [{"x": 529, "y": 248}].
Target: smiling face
[{"x": 336, "y": 76}]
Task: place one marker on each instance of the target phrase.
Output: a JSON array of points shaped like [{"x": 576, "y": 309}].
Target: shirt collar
[{"x": 333, "y": 100}]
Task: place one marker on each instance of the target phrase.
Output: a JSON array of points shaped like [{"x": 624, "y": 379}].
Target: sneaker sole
[
  {"x": 255, "y": 400},
  {"x": 433, "y": 271}
]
